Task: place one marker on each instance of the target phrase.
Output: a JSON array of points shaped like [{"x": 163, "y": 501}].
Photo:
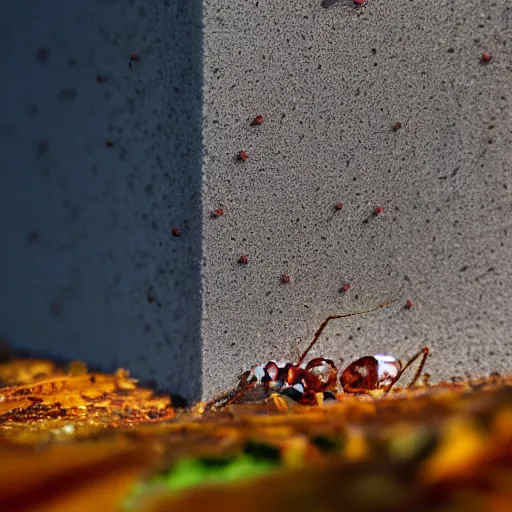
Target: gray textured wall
[
  {"x": 331, "y": 85},
  {"x": 85, "y": 228}
]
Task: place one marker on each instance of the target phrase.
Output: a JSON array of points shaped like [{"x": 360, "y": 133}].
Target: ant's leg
[
  {"x": 232, "y": 395},
  {"x": 423, "y": 352},
  {"x": 279, "y": 402},
  {"x": 333, "y": 317},
  {"x": 219, "y": 398},
  {"x": 239, "y": 394}
]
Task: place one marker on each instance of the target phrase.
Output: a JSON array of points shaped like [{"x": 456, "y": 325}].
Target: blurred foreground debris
[
  {"x": 81, "y": 441},
  {"x": 42, "y": 401}
]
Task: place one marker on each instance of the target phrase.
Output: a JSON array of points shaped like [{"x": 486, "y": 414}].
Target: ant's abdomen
[{"x": 361, "y": 375}]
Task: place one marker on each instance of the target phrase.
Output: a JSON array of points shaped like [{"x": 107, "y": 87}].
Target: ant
[{"x": 304, "y": 383}]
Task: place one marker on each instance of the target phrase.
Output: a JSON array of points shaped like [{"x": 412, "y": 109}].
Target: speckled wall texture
[
  {"x": 331, "y": 84},
  {"x": 89, "y": 265}
]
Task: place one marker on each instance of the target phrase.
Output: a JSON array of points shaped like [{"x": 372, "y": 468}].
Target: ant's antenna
[{"x": 332, "y": 317}]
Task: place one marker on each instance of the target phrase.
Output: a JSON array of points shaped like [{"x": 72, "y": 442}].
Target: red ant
[
  {"x": 302, "y": 382},
  {"x": 134, "y": 58},
  {"x": 257, "y": 121}
]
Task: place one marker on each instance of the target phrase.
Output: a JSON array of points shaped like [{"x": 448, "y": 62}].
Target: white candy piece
[
  {"x": 298, "y": 387},
  {"x": 257, "y": 372},
  {"x": 280, "y": 363},
  {"x": 388, "y": 367}
]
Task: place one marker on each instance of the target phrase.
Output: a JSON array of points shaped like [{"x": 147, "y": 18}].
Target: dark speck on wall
[
  {"x": 33, "y": 237},
  {"x": 33, "y": 110},
  {"x": 68, "y": 93},
  {"x": 42, "y": 54},
  {"x": 327, "y": 4},
  {"x": 55, "y": 309},
  {"x": 42, "y": 148}
]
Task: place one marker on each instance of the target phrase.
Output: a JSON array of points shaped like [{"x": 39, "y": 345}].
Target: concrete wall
[
  {"x": 86, "y": 228},
  {"x": 331, "y": 84}
]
